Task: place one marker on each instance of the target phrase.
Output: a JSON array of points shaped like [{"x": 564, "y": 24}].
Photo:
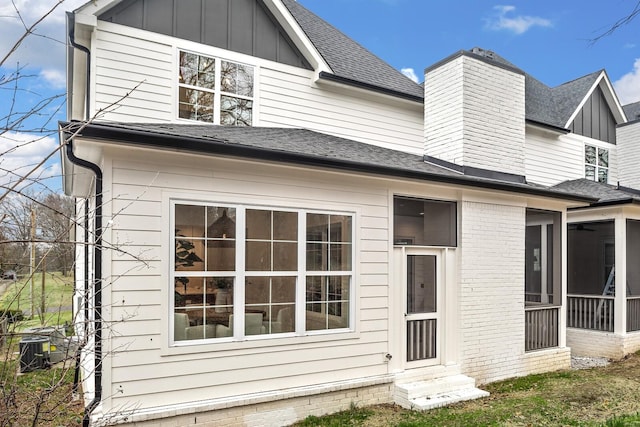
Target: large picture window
[
  {"x": 215, "y": 91},
  {"x": 596, "y": 163},
  {"x": 240, "y": 271}
]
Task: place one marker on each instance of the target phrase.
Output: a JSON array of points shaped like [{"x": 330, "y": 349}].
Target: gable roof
[
  {"x": 348, "y": 59},
  {"x": 604, "y": 193},
  {"x": 298, "y": 147}
]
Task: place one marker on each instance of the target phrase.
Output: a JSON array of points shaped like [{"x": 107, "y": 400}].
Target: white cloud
[
  {"x": 628, "y": 86},
  {"x": 55, "y": 78},
  {"x": 45, "y": 48},
  {"x": 518, "y": 24},
  {"x": 21, "y": 152},
  {"x": 410, "y": 72}
]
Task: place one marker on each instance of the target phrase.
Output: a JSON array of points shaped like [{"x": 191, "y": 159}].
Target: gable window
[
  {"x": 214, "y": 90},
  {"x": 287, "y": 272},
  {"x": 596, "y": 163}
]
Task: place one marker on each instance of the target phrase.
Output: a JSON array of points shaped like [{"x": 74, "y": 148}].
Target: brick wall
[
  {"x": 475, "y": 115},
  {"x": 492, "y": 296},
  {"x": 602, "y": 344},
  {"x": 279, "y": 412}
]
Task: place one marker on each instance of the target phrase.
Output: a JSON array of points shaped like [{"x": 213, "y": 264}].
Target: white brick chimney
[{"x": 475, "y": 112}]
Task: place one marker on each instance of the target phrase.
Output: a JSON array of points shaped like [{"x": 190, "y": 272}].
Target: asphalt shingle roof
[
  {"x": 301, "y": 146},
  {"x": 605, "y": 193},
  {"x": 632, "y": 111},
  {"x": 349, "y": 59}
]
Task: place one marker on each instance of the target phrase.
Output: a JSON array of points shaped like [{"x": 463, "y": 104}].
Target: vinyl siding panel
[
  {"x": 551, "y": 159},
  {"x": 285, "y": 96},
  {"x": 141, "y": 371}
]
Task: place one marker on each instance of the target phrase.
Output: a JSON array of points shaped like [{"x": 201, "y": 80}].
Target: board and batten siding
[
  {"x": 140, "y": 372},
  {"x": 552, "y": 159},
  {"x": 285, "y": 96}
]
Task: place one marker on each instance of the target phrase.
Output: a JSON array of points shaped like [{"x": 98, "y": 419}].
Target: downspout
[
  {"x": 97, "y": 284},
  {"x": 97, "y": 253}
]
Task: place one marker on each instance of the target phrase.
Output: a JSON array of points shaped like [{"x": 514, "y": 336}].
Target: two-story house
[{"x": 276, "y": 223}]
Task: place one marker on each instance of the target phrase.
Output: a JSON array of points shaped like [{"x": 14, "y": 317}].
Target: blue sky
[{"x": 549, "y": 40}]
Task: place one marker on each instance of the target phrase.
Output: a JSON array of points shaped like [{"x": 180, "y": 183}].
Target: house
[{"x": 276, "y": 223}]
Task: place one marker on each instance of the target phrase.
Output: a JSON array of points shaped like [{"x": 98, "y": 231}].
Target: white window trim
[
  {"x": 596, "y": 165},
  {"x": 217, "y": 92},
  {"x": 240, "y": 275}
]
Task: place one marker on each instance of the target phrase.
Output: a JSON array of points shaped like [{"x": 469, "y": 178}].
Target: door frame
[{"x": 401, "y": 254}]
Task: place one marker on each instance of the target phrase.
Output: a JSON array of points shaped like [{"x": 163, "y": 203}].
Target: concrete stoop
[{"x": 429, "y": 394}]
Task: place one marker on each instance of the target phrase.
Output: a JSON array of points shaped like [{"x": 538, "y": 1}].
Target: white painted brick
[{"x": 475, "y": 115}]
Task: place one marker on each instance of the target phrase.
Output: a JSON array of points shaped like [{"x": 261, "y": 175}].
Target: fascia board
[
  {"x": 297, "y": 35},
  {"x": 584, "y": 100},
  {"x": 612, "y": 99},
  {"x": 96, "y": 7},
  {"x": 610, "y": 96}
]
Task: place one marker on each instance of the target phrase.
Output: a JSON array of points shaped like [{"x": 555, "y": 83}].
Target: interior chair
[
  {"x": 252, "y": 326},
  {"x": 200, "y": 332},
  {"x": 283, "y": 322},
  {"x": 180, "y": 325}
]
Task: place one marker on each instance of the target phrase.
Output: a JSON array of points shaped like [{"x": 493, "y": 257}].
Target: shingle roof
[
  {"x": 349, "y": 59},
  {"x": 632, "y": 111},
  {"x": 302, "y": 147},
  {"x": 605, "y": 193}
]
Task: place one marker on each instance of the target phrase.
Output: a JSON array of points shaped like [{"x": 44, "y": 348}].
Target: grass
[
  {"x": 48, "y": 393},
  {"x": 608, "y": 396}
]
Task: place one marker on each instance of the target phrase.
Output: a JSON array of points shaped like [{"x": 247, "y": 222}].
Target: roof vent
[{"x": 482, "y": 52}]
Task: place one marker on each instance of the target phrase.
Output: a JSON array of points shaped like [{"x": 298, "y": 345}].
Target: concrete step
[{"x": 429, "y": 394}]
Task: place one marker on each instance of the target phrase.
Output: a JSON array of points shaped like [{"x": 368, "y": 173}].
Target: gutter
[
  {"x": 374, "y": 88},
  {"x": 181, "y": 143},
  {"x": 97, "y": 253}
]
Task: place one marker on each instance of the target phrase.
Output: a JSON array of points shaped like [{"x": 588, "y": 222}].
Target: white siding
[
  {"x": 474, "y": 115},
  {"x": 628, "y": 138},
  {"x": 142, "y": 372},
  {"x": 551, "y": 159},
  {"x": 285, "y": 96}
]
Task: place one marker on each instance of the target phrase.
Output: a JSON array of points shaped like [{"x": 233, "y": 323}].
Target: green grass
[
  {"x": 608, "y": 396},
  {"x": 58, "y": 295}
]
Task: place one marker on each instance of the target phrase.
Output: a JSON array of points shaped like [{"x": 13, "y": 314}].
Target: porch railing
[
  {"x": 633, "y": 314},
  {"x": 590, "y": 312},
  {"x": 541, "y": 327}
]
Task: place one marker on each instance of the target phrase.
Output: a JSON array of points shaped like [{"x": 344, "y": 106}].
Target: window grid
[
  {"x": 596, "y": 161},
  {"x": 337, "y": 302},
  {"x": 214, "y": 90}
]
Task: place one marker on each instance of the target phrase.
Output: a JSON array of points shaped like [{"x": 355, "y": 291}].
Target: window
[
  {"x": 424, "y": 222},
  {"x": 285, "y": 265},
  {"x": 596, "y": 163},
  {"x": 215, "y": 91},
  {"x": 543, "y": 257}
]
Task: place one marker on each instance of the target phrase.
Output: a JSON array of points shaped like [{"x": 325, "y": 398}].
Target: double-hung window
[
  {"x": 214, "y": 90},
  {"x": 596, "y": 163},
  {"x": 241, "y": 271}
]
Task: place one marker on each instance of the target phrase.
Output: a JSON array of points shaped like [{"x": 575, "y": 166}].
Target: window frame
[
  {"x": 241, "y": 273},
  {"x": 597, "y": 168},
  {"x": 217, "y": 91}
]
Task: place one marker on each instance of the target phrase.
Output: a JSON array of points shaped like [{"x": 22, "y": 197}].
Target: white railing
[
  {"x": 541, "y": 327},
  {"x": 590, "y": 312},
  {"x": 633, "y": 314}
]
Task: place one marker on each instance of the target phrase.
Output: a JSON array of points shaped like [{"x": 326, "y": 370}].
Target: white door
[{"x": 422, "y": 306}]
